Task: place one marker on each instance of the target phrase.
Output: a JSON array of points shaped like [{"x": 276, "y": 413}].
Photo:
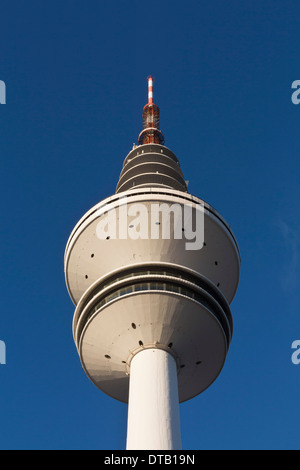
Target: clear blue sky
[{"x": 75, "y": 73}]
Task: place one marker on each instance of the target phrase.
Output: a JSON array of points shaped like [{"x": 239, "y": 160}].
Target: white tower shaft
[{"x": 153, "y": 409}]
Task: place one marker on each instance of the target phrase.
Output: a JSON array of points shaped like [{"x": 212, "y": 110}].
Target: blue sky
[{"x": 75, "y": 75}]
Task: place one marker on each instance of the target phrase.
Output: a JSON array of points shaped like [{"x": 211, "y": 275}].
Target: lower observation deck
[{"x": 154, "y": 306}]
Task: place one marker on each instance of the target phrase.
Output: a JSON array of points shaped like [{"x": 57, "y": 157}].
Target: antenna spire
[
  {"x": 150, "y": 90},
  {"x": 151, "y": 133}
]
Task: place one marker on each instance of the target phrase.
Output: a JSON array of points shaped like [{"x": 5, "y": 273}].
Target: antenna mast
[{"x": 151, "y": 133}]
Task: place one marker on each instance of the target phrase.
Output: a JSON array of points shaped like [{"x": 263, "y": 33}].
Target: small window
[
  {"x": 153, "y": 285},
  {"x": 100, "y": 304},
  {"x": 141, "y": 286},
  {"x": 111, "y": 296},
  {"x": 172, "y": 287}
]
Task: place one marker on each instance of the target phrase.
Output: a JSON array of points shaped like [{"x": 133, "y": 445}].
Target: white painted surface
[
  {"x": 153, "y": 410},
  {"x": 160, "y": 318},
  {"x": 82, "y": 269}
]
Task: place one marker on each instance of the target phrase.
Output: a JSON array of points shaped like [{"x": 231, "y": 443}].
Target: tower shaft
[{"x": 153, "y": 411}]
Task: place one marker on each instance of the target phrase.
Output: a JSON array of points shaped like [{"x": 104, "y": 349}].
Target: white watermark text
[
  {"x": 296, "y": 354},
  {"x": 2, "y": 92},
  {"x": 2, "y": 352}
]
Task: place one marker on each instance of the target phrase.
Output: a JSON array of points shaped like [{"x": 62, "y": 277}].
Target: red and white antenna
[
  {"x": 150, "y": 89},
  {"x": 151, "y": 133}
]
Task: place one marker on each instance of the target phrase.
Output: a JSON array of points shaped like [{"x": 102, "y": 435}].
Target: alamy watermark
[
  {"x": 295, "y": 357},
  {"x": 296, "y": 94},
  {"x": 153, "y": 221},
  {"x": 2, "y": 352},
  {"x": 2, "y": 92}
]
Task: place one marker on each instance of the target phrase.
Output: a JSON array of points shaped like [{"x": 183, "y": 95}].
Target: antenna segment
[
  {"x": 151, "y": 133},
  {"x": 150, "y": 89}
]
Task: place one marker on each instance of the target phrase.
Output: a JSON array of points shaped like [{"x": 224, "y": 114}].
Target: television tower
[{"x": 152, "y": 323}]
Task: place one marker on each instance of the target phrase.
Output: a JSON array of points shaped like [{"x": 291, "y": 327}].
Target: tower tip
[
  {"x": 150, "y": 89},
  {"x": 151, "y": 132}
]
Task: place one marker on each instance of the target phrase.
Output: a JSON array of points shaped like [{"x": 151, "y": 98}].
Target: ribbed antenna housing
[{"x": 151, "y": 165}]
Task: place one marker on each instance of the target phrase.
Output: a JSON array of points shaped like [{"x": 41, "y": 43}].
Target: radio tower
[{"x": 152, "y": 323}]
